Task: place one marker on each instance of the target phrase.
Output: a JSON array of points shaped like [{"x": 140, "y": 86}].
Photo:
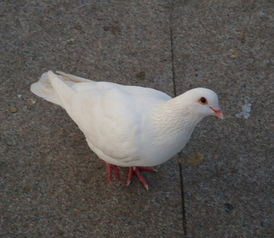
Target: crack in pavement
[{"x": 184, "y": 219}]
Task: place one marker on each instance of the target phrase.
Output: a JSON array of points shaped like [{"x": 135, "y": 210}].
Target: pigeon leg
[
  {"x": 136, "y": 170},
  {"x": 110, "y": 168}
]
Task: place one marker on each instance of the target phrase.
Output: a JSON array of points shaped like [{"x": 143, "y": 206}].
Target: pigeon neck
[{"x": 176, "y": 116}]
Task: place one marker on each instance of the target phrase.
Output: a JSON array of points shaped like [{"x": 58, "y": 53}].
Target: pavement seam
[
  {"x": 172, "y": 49},
  {"x": 184, "y": 219}
]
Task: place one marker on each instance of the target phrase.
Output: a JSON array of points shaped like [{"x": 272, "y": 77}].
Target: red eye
[{"x": 203, "y": 100}]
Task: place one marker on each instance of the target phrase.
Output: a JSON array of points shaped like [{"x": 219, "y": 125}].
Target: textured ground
[{"x": 52, "y": 185}]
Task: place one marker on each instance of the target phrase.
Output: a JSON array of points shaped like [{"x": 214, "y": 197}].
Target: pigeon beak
[{"x": 218, "y": 113}]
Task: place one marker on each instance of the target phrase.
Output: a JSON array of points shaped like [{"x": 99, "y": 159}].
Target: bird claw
[
  {"x": 110, "y": 168},
  {"x": 136, "y": 170},
  {"x": 132, "y": 170}
]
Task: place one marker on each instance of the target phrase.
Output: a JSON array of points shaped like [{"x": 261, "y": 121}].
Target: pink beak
[{"x": 218, "y": 112}]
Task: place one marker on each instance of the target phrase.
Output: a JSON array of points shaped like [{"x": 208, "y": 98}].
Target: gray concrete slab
[
  {"x": 51, "y": 184},
  {"x": 226, "y": 46}
]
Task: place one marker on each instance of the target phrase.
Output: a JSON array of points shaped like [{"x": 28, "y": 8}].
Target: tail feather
[
  {"x": 56, "y": 88},
  {"x": 43, "y": 88},
  {"x": 69, "y": 78},
  {"x": 61, "y": 88}
]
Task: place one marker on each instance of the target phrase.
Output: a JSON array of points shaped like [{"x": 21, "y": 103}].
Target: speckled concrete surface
[
  {"x": 52, "y": 185},
  {"x": 226, "y": 46}
]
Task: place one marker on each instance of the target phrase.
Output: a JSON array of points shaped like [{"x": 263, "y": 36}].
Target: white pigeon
[{"x": 128, "y": 126}]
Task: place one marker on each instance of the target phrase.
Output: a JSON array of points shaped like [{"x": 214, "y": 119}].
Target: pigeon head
[{"x": 204, "y": 102}]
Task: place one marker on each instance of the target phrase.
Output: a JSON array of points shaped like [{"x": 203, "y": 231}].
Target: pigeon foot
[
  {"x": 136, "y": 170},
  {"x": 110, "y": 168}
]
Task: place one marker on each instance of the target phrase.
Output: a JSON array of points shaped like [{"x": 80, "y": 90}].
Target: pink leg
[
  {"x": 136, "y": 171},
  {"x": 110, "y": 168}
]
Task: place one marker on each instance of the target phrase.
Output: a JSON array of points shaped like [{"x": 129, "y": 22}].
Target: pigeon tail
[
  {"x": 56, "y": 88},
  {"x": 44, "y": 89}
]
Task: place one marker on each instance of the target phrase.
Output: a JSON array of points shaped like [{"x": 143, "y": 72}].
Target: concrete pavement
[{"x": 52, "y": 185}]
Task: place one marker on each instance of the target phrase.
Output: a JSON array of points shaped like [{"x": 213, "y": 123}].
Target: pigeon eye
[{"x": 203, "y": 100}]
